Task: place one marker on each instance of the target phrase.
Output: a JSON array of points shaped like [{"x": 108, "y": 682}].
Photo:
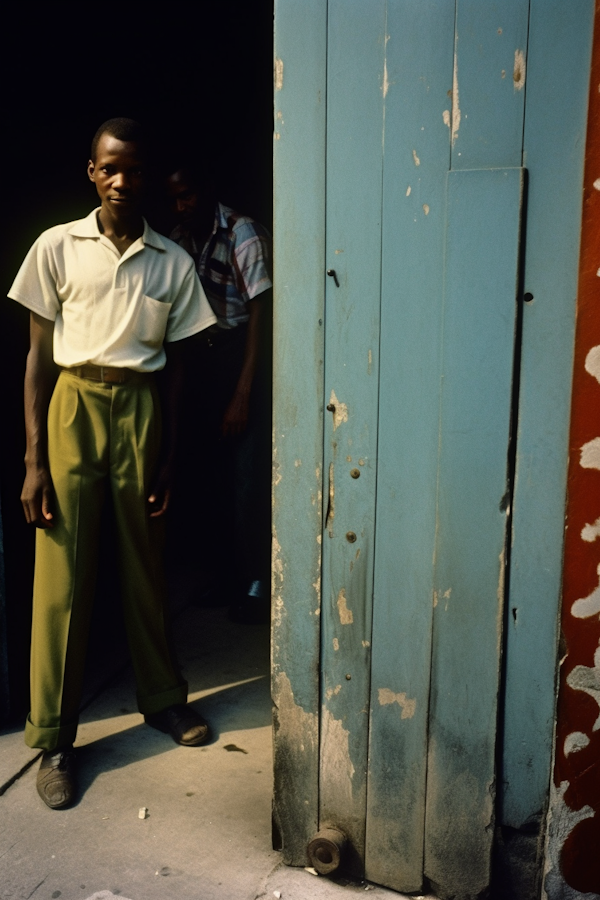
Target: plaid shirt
[{"x": 233, "y": 265}]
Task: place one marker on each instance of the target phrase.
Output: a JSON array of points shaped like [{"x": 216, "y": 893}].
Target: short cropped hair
[{"x": 121, "y": 128}]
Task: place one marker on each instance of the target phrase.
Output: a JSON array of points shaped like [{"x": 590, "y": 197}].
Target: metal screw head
[
  {"x": 331, "y": 407},
  {"x": 350, "y": 537},
  {"x": 348, "y": 677},
  {"x": 355, "y": 473}
]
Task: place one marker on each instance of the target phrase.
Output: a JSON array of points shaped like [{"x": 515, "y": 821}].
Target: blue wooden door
[{"x": 399, "y": 136}]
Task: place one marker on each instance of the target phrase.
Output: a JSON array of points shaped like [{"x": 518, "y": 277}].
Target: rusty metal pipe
[{"x": 326, "y": 850}]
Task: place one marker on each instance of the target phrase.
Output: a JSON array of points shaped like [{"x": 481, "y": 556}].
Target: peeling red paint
[{"x": 577, "y": 761}]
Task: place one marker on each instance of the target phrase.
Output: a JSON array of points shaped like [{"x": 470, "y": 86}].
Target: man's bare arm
[
  {"x": 235, "y": 419},
  {"x": 37, "y": 495}
]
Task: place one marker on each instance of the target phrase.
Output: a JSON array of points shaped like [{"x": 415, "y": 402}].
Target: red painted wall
[{"x": 577, "y": 766}]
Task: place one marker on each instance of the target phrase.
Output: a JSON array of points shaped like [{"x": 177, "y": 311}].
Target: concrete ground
[{"x": 207, "y": 830}]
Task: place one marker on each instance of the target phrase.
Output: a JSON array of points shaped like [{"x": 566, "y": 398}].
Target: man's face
[
  {"x": 119, "y": 175},
  {"x": 183, "y": 198}
]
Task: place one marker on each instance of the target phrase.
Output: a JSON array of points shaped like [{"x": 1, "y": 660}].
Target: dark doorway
[{"x": 197, "y": 74}]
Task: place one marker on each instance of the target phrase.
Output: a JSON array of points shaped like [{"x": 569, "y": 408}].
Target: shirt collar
[
  {"x": 222, "y": 214},
  {"x": 88, "y": 228}
]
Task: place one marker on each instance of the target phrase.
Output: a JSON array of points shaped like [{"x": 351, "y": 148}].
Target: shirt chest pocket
[{"x": 150, "y": 324}]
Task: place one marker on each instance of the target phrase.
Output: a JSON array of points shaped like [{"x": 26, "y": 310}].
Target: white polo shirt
[{"x": 108, "y": 309}]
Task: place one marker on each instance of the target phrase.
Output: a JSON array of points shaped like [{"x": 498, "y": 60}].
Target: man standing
[
  {"x": 105, "y": 293},
  {"x": 229, "y": 426}
]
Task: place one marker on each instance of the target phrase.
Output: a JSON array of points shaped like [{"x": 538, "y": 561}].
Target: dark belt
[{"x": 107, "y": 374}]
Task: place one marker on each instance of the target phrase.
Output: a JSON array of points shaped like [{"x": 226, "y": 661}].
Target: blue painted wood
[
  {"x": 489, "y": 83},
  {"x": 419, "y": 57},
  {"x": 482, "y": 253},
  {"x": 355, "y": 78},
  {"x": 300, "y": 51},
  {"x": 555, "y": 121}
]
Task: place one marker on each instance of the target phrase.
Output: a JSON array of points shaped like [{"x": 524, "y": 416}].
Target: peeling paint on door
[
  {"x": 278, "y": 78},
  {"x": 346, "y": 617},
  {"x": 408, "y": 707},
  {"x": 340, "y": 411},
  {"x": 336, "y": 765},
  {"x": 456, "y": 114},
  {"x": 519, "y": 70}
]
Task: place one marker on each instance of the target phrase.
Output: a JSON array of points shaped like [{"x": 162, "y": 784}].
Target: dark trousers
[{"x": 223, "y": 490}]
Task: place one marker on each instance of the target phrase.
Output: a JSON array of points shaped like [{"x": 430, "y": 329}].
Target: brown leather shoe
[
  {"x": 182, "y": 722},
  {"x": 56, "y": 783}
]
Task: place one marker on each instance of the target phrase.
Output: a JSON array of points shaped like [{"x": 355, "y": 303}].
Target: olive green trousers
[{"x": 100, "y": 437}]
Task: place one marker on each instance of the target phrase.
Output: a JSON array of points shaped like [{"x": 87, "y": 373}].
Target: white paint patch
[
  {"x": 331, "y": 502},
  {"x": 426, "y": 209},
  {"x": 446, "y": 117},
  {"x": 598, "y": 273},
  {"x": 340, "y": 413},
  {"x": 519, "y": 70},
  {"x": 336, "y": 644},
  {"x": 297, "y": 463},
  {"x": 503, "y": 73},
  {"x": 385, "y": 85},
  {"x": 587, "y": 606},
  {"x": 278, "y": 74},
  {"x": 276, "y": 581},
  {"x": 455, "y": 97},
  {"x": 407, "y": 706},
  {"x": 346, "y": 617},
  {"x": 369, "y": 362},
  {"x": 575, "y": 742},
  {"x": 590, "y": 455},
  {"x": 366, "y": 643},
  {"x": 338, "y": 252},
  {"x": 446, "y": 596},
  {"x": 589, "y": 533},
  {"x": 337, "y": 770},
  {"x": 597, "y": 184},
  {"x": 408, "y": 190},
  {"x": 276, "y": 136},
  {"x": 561, "y": 822},
  {"x": 319, "y": 538},
  {"x": 435, "y": 599},
  {"x": 592, "y": 362},
  {"x": 416, "y": 158},
  {"x": 332, "y": 692},
  {"x": 587, "y": 679}
]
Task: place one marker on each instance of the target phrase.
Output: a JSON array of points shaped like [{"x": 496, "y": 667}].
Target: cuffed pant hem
[
  {"x": 157, "y": 702},
  {"x": 49, "y": 738}
]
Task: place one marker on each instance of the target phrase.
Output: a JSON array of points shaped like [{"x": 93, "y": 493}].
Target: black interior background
[{"x": 199, "y": 74}]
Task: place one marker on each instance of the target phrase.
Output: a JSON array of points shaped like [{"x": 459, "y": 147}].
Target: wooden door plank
[
  {"x": 354, "y": 161},
  {"x": 489, "y": 83},
  {"x": 482, "y": 256},
  {"x": 299, "y": 242},
  {"x": 419, "y": 58},
  {"x": 557, "y": 83}
]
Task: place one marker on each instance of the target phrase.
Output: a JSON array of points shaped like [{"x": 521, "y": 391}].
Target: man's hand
[
  {"x": 37, "y": 498},
  {"x": 161, "y": 494},
  {"x": 37, "y": 495},
  {"x": 235, "y": 419}
]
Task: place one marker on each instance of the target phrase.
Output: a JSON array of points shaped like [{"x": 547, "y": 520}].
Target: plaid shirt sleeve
[{"x": 251, "y": 255}]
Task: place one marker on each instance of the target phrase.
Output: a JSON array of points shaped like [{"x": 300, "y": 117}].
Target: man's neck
[
  {"x": 121, "y": 230},
  {"x": 203, "y": 223}
]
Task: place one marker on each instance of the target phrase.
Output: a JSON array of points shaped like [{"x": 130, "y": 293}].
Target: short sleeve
[
  {"x": 190, "y": 311},
  {"x": 252, "y": 258},
  {"x": 35, "y": 284}
]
